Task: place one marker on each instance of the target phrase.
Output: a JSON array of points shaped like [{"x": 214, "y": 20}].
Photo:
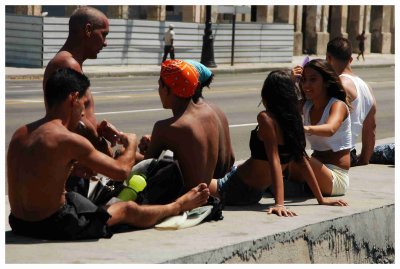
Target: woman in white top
[{"x": 327, "y": 126}]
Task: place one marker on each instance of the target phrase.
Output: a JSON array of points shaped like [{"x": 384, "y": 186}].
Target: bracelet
[{"x": 281, "y": 206}]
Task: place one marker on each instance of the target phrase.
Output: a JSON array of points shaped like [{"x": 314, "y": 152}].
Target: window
[{"x": 173, "y": 13}]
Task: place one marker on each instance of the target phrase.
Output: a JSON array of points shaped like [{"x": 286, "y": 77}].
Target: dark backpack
[{"x": 164, "y": 182}]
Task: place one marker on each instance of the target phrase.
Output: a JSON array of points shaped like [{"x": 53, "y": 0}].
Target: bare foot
[{"x": 194, "y": 198}]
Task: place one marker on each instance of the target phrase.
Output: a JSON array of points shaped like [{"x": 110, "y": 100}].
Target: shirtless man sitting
[
  {"x": 193, "y": 133},
  {"x": 41, "y": 156},
  {"x": 226, "y": 156}
]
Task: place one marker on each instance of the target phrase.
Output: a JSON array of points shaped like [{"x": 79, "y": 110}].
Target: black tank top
[{"x": 258, "y": 152}]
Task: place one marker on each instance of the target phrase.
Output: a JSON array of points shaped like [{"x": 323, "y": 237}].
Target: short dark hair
[
  {"x": 83, "y": 15},
  {"x": 63, "y": 82},
  {"x": 340, "y": 48},
  {"x": 199, "y": 91}
]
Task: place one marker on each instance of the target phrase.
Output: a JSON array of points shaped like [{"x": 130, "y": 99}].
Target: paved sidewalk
[{"x": 145, "y": 70}]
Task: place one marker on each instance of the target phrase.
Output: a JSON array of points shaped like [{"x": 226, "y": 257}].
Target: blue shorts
[{"x": 233, "y": 191}]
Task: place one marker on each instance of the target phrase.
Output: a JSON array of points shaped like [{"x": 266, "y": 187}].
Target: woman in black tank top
[{"x": 276, "y": 143}]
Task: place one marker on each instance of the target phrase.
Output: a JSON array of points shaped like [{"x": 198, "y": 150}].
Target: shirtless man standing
[
  {"x": 193, "y": 133},
  {"x": 48, "y": 149},
  {"x": 88, "y": 28}
]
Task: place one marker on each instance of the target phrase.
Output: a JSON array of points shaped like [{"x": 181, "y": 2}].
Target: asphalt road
[{"x": 133, "y": 105}]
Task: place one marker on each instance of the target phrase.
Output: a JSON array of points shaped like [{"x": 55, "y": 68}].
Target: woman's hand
[
  {"x": 307, "y": 130},
  {"x": 296, "y": 73},
  {"x": 337, "y": 202},
  {"x": 281, "y": 210}
]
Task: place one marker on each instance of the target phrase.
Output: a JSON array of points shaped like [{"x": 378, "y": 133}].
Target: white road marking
[
  {"x": 128, "y": 111},
  {"x": 24, "y": 101},
  {"x": 117, "y": 91},
  {"x": 242, "y": 125}
]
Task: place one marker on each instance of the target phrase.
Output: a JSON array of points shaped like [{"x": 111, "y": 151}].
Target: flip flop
[{"x": 187, "y": 219}]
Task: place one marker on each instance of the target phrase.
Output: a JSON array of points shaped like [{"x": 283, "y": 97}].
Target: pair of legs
[
  {"x": 171, "y": 51},
  {"x": 145, "y": 216},
  {"x": 322, "y": 173},
  {"x": 361, "y": 53}
]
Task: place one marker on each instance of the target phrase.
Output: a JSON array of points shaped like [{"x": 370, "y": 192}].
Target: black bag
[
  {"x": 102, "y": 193},
  {"x": 77, "y": 184},
  {"x": 216, "y": 211},
  {"x": 164, "y": 182}
]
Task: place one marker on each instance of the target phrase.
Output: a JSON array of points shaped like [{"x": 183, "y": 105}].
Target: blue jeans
[
  {"x": 234, "y": 191},
  {"x": 383, "y": 154}
]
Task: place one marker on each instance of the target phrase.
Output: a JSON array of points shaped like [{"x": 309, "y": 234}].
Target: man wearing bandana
[{"x": 193, "y": 133}]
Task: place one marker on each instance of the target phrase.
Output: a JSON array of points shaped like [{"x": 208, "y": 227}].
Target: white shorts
[{"x": 340, "y": 180}]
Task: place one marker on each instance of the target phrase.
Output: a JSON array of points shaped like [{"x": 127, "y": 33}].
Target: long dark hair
[
  {"x": 279, "y": 94},
  {"x": 331, "y": 79}
]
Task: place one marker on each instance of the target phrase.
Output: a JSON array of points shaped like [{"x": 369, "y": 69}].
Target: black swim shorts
[{"x": 79, "y": 218}]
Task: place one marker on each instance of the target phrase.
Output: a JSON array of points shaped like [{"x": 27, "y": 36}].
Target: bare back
[
  {"x": 64, "y": 59},
  {"x": 38, "y": 164},
  {"x": 226, "y": 157},
  {"x": 194, "y": 139}
]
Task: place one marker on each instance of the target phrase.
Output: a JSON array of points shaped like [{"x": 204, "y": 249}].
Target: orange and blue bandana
[
  {"x": 204, "y": 72},
  {"x": 182, "y": 78}
]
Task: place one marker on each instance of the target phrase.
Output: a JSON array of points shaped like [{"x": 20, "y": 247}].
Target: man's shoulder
[
  {"x": 162, "y": 126},
  {"x": 348, "y": 83},
  {"x": 64, "y": 59}
]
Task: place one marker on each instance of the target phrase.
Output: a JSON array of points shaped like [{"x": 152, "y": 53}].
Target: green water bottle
[{"x": 135, "y": 184}]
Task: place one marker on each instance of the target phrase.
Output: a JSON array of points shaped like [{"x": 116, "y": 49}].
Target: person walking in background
[
  {"x": 169, "y": 43},
  {"x": 361, "y": 45}
]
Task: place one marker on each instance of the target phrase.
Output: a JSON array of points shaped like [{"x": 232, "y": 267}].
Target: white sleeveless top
[
  {"x": 361, "y": 106},
  {"x": 338, "y": 141}
]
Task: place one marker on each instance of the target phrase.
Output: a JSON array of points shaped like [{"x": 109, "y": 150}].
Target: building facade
[{"x": 314, "y": 25}]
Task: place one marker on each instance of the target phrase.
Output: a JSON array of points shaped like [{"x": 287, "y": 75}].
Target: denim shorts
[{"x": 233, "y": 191}]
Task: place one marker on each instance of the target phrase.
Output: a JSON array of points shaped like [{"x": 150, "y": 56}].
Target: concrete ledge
[
  {"x": 363, "y": 232},
  {"x": 360, "y": 233},
  {"x": 336, "y": 241}
]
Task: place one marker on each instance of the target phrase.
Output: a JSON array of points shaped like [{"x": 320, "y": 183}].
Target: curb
[{"x": 233, "y": 70}]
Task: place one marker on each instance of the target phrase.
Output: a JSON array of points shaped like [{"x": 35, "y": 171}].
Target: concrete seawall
[
  {"x": 363, "y": 232},
  {"x": 343, "y": 240}
]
